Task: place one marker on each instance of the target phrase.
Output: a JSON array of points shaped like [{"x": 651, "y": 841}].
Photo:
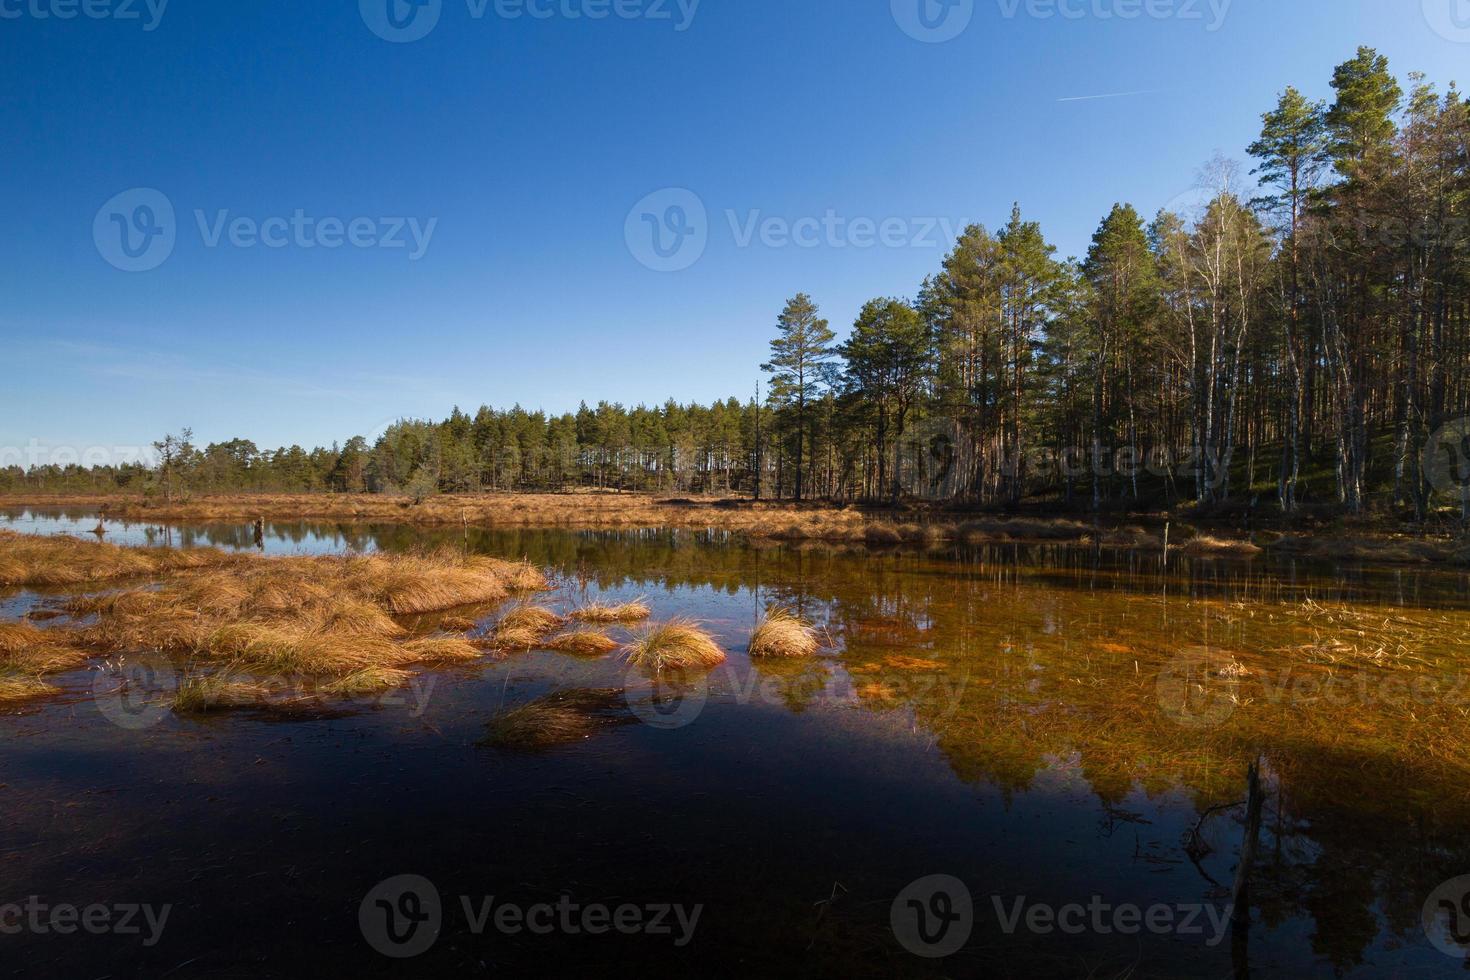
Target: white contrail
[{"x": 1109, "y": 95}]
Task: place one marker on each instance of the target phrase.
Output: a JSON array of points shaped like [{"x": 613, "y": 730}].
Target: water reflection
[{"x": 1090, "y": 714}]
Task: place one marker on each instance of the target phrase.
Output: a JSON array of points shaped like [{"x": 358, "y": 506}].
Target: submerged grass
[
  {"x": 783, "y": 634},
  {"x": 678, "y": 644},
  {"x": 556, "y": 719},
  {"x": 203, "y": 693}
]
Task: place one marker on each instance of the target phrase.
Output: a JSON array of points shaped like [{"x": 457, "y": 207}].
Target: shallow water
[{"x": 1047, "y": 725}]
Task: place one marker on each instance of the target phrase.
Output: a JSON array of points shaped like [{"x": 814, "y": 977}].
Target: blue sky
[{"x": 523, "y": 146}]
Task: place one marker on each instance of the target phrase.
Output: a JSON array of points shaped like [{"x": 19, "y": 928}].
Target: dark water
[{"x": 1054, "y": 728}]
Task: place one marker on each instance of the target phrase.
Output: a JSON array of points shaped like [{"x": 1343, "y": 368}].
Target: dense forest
[{"x": 1300, "y": 341}]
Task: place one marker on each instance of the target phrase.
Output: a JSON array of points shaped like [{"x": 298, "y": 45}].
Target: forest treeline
[{"x": 1298, "y": 339}]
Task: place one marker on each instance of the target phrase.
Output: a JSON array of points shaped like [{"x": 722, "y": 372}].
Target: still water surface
[{"x": 1062, "y": 730}]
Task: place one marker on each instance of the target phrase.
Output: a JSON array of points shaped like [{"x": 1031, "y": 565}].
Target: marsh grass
[
  {"x": 20, "y": 688},
  {"x": 678, "y": 644},
  {"x": 325, "y": 616},
  {"x": 583, "y": 643},
  {"x": 204, "y": 693},
  {"x": 366, "y": 683},
  {"x": 1205, "y": 544},
  {"x": 629, "y": 612},
  {"x": 783, "y": 634},
  {"x": 26, "y": 648},
  {"x": 557, "y": 719},
  {"x": 60, "y": 561},
  {"x": 523, "y": 627}
]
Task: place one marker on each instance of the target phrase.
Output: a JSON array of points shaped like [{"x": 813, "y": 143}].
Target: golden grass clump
[
  {"x": 628, "y": 612},
  {"x": 1204, "y": 544},
  {"x": 678, "y": 644},
  {"x": 26, "y": 648},
  {"x": 365, "y": 683},
  {"x": 524, "y": 626},
  {"x": 440, "y": 650},
  {"x": 203, "y": 693},
  {"x": 24, "y": 688},
  {"x": 783, "y": 634},
  {"x": 59, "y": 561},
  {"x": 583, "y": 643},
  {"x": 557, "y": 719}
]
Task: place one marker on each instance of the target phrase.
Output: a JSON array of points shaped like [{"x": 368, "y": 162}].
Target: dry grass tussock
[
  {"x": 678, "y": 644},
  {"x": 14, "y": 688},
  {"x": 313, "y": 616},
  {"x": 629, "y": 612},
  {"x": 26, "y": 649},
  {"x": 57, "y": 562},
  {"x": 524, "y": 626},
  {"x": 583, "y": 643},
  {"x": 1205, "y": 544},
  {"x": 203, "y": 693},
  {"x": 557, "y": 719},
  {"x": 783, "y": 634}
]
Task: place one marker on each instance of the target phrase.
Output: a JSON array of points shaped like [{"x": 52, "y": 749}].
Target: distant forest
[{"x": 1296, "y": 341}]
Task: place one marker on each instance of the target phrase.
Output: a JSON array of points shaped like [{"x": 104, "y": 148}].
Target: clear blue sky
[{"x": 530, "y": 140}]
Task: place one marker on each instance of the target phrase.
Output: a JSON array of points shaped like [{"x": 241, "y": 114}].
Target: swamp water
[{"x": 1030, "y": 758}]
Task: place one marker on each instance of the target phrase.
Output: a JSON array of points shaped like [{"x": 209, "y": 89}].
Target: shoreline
[{"x": 771, "y": 521}]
